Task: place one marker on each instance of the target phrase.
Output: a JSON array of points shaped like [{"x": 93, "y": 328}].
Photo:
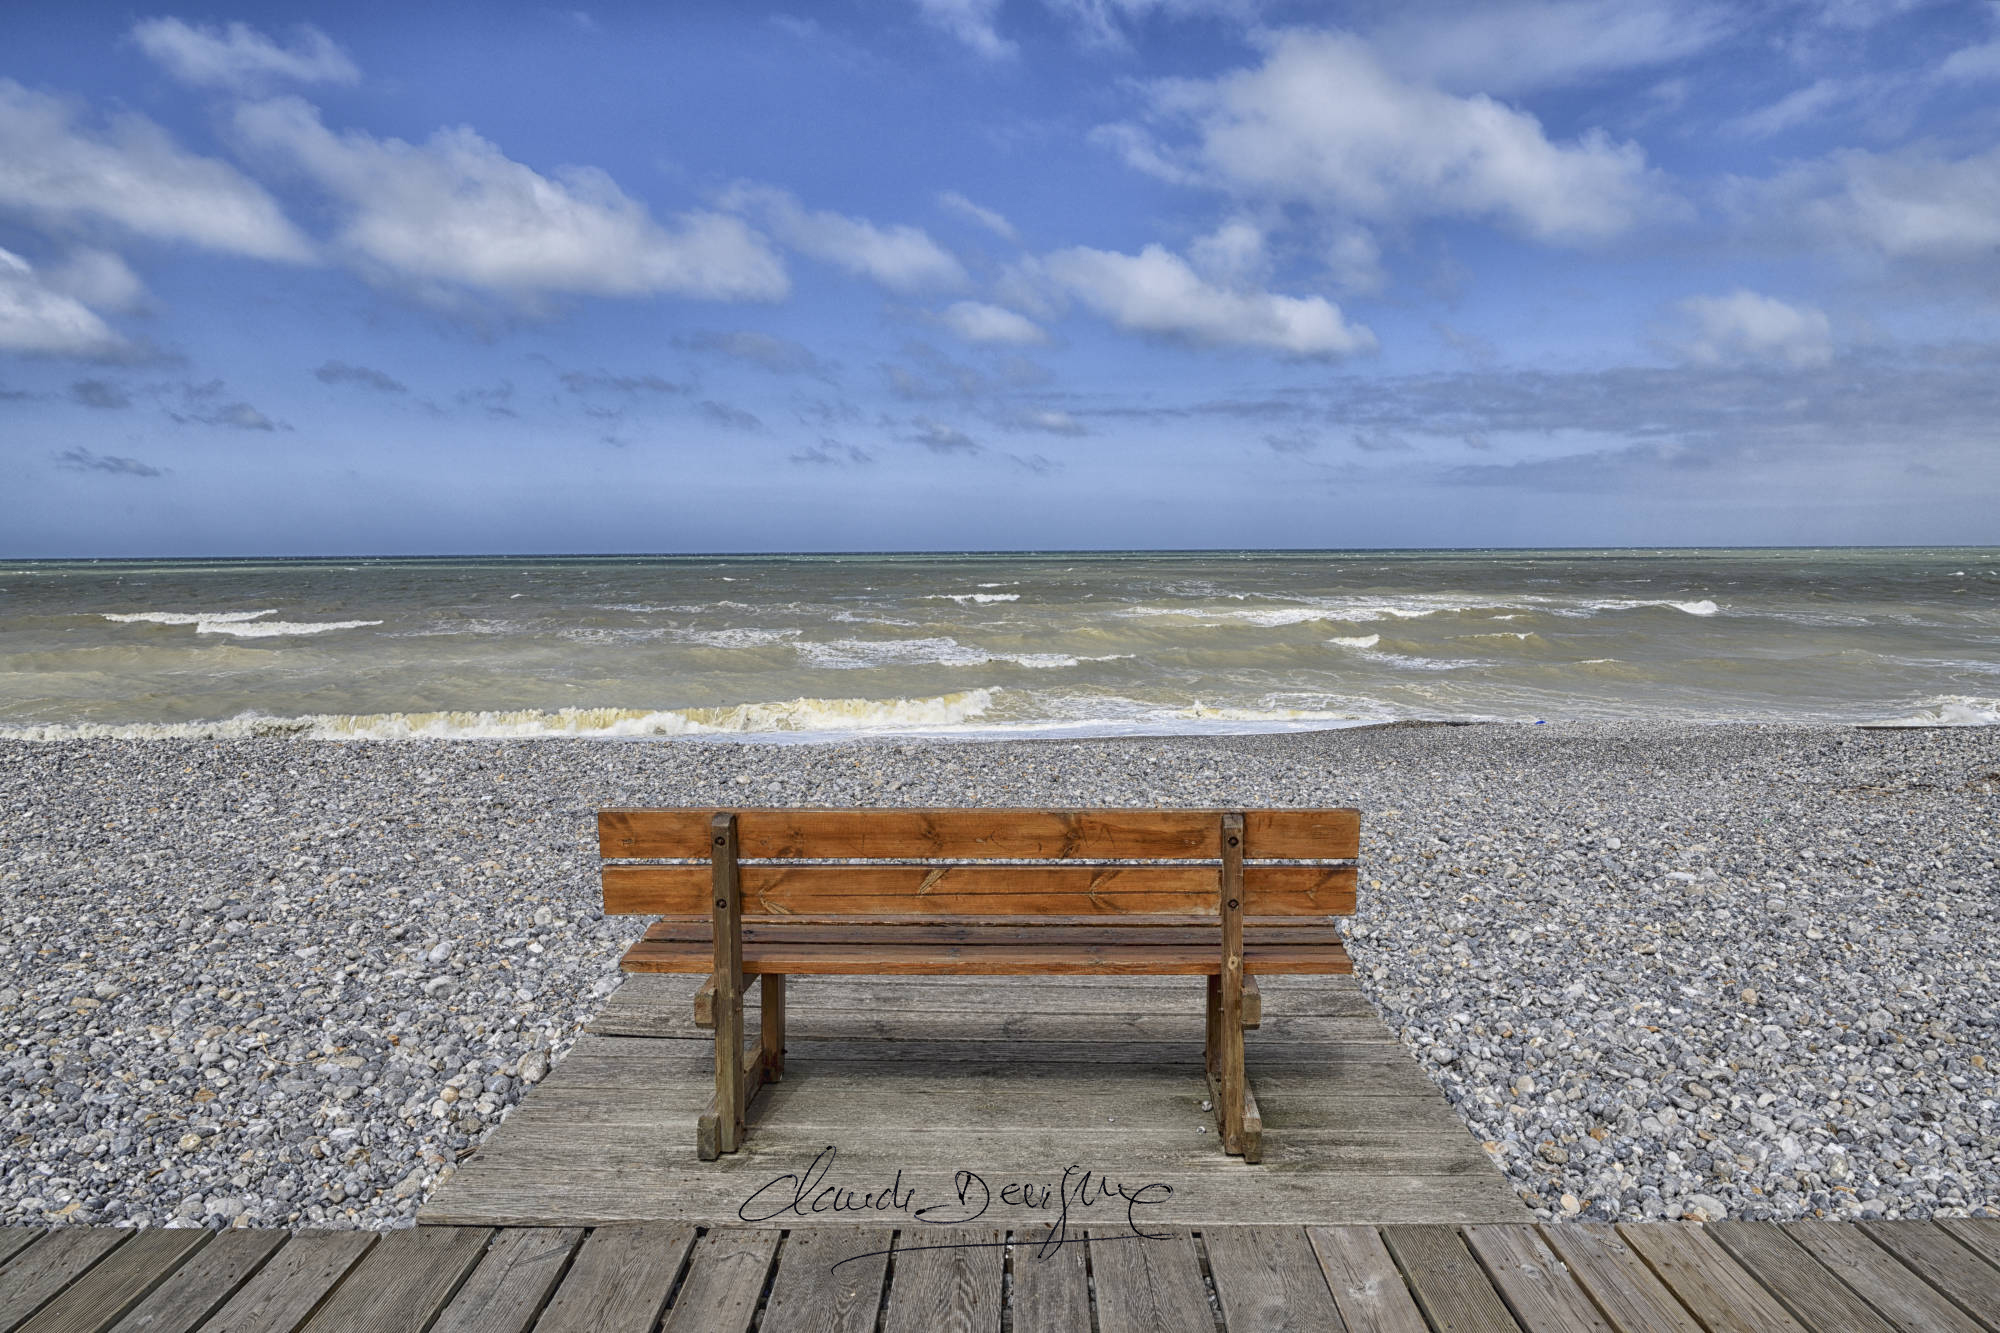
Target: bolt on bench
[{"x": 767, "y": 894}]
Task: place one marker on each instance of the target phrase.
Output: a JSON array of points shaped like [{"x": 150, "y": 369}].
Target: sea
[{"x": 813, "y": 647}]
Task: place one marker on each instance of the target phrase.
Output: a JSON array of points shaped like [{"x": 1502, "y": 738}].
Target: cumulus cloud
[
  {"x": 61, "y": 172},
  {"x": 340, "y": 372},
  {"x": 83, "y": 460},
  {"x": 1321, "y": 121},
  {"x": 455, "y": 212},
  {"x": 985, "y": 217},
  {"x": 240, "y": 58},
  {"x": 976, "y": 321},
  {"x": 1156, "y": 292},
  {"x": 972, "y": 22},
  {"x": 1907, "y": 204},
  {"x": 901, "y": 258},
  {"x": 37, "y": 319},
  {"x": 1746, "y": 326},
  {"x": 780, "y": 356}
]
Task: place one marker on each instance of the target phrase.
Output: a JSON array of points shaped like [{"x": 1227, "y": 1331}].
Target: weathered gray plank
[
  {"x": 1268, "y": 1278},
  {"x": 513, "y": 1281},
  {"x": 1449, "y": 1285},
  {"x": 118, "y": 1282},
  {"x": 403, "y": 1282},
  {"x": 1536, "y": 1286},
  {"x": 13, "y": 1240},
  {"x": 1367, "y": 1287},
  {"x": 1878, "y": 1277},
  {"x": 896, "y": 1029},
  {"x": 44, "y": 1270},
  {"x": 1815, "y": 1297},
  {"x": 724, "y": 1282},
  {"x": 829, "y": 1281},
  {"x": 288, "y": 1288},
  {"x": 1051, "y": 1284},
  {"x": 946, "y": 1280},
  {"x": 1625, "y": 1290},
  {"x": 198, "y": 1288},
  {"x": 1147, "y": 1285},
  {"x": 620, "y": 1280},
  {"x": 1944, "y": 1263},
  {"x": 1980, "y": 1234},
  {"x": 1708, "y": 1282}
]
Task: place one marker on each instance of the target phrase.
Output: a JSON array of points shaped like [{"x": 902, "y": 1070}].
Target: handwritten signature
[{"x": 807, "y": 1193}]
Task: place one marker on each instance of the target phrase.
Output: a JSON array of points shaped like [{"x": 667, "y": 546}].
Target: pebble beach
[{"x": 1661, "y": 970}]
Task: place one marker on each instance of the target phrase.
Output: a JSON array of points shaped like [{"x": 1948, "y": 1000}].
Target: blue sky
[{"x": 946, "y": 274}]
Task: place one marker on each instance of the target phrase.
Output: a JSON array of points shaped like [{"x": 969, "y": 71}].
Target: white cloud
[
  {"x": 1354, "y": 260},
  {"x": 97, "y": 278},
  {"x": 976, "y": 321},
  {"x": 1911, "y": 204},
  {"x": 1156, "y": 292},
  {"x": 1529, "y": 44},
  {"x": 1321, "y": 121},
  {"x": 901, "y": 258},
  {"x": 1796, "y": 108},
  {"x": 38, "y": 320},
  {"x": 58, "y": 172},
  {"x": 971, "y": 22},
  {"x": 985, "y": 217},
  {"x": 1972, "y": 64},
  {"x": 239, "y": 57},
  {"x": 1233, "y": 254},
  {"x": 1746, "y": 326},
  {"x": 457, "y": 212}
]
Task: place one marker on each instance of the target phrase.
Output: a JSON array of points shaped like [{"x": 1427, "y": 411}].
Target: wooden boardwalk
[
  {"x": 1912, "y": 1277},
  {"x": 1014, "y": 1080}
]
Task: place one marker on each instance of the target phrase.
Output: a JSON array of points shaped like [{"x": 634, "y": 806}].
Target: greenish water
[{"x": 776, "y": 646}]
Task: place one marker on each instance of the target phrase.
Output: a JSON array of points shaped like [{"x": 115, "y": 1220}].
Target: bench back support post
[
  {"x": 1230, "y": 1021},
  {"x": 728, "y": 909}
]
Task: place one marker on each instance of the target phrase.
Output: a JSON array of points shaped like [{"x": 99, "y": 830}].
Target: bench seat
[{"x": 932, "y": 949}]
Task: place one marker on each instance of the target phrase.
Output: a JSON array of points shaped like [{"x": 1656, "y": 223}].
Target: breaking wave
[
  {"x": 195, "y": 618},
  {"x": 278, "y": 629}
]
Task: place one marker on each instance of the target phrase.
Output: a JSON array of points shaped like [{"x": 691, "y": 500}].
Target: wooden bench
[{"x": 765, "y": 894}]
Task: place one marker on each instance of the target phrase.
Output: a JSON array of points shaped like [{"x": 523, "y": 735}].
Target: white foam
[
  {"x": 1701, "y": 608},
  {"x": 1358, "y": 641},
  {"x": 197, "y": 618},
  {"x": 794, "y": 717},
  {"x": 866, "y": 654},
  {"x": 743, "y": 637},
  {"x": 963, "y": 597},
  {"x": 278, "y": 629},
  {"x": 1950, "y": 710}
]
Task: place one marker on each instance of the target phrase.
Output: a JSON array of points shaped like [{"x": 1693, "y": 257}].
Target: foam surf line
[
  {"x": 195, "y": 618},
  {"x": 279, "y": 629}
]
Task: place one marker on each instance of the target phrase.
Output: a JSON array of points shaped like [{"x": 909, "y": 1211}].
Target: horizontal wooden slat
[
  {"x": 954, "y": 930},
  {"x": 982, "y": 834},
  {"x": 1012, "y": 959},
  {"x": 1055, "y": 890}
]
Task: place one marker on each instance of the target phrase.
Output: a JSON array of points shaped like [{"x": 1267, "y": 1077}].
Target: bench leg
[
  {"x": 1212, "y": 1044},
  {"x": 771, "y": 1026}
]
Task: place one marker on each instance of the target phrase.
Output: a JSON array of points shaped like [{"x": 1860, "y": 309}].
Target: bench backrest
[{"x": 981, "y": 863}]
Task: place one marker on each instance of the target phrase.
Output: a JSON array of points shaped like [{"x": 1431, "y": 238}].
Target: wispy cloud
[
  {"x": 780, "y": 356},
  {"x": 728, "y": 417},
  {"x": 901, "y": 258},
  {"x": 587, "y": 381},
  {"x": 340, "y": 372},
  {"x": 99, "y": 394},
  {"x": 940, "y": 438},
  {"x": 83, "y": 460},
  {"x": 240, "y": 58}
]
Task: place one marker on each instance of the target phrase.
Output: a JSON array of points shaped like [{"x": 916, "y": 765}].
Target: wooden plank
[
  {"x": 1149, "y": 1285},
  {"x": 1253, "y": 1004},
  {"x": 288, "y": 1288},
  {"x": 970, "y": 834},
  {"x": 1366, "y": 1285},
  {"x": 1447, "y": 1281},
  {"x": 977, "y": 890},
  {"x": 704, "y": 1003},
  {"x": 724, "y": 1283},
  {"x": 1267, "y": 1278},
  {"x": 1537, "y": 1288},
  {"x": 1878, "y": 1277},
  {"x": 1051, "y": 1292},
  {"x": 1708, "y": 1282},
  {"x": 946, "y": 1280},
  {"x": 512, "y": 1283},
  {"x": 1625, "y": 1290},
  {"x": 1979, "y": 1234},
  {"x": 403, "y": 1282},
  {"x": 13, "y": 1240},
  {"x": 990, "y": 960},
  {"x": 198, "y": 1288},
  {"x": 829, "y": 1281},
  {"x": 722, "y": 1130},
  {"x": 1229, "y": 1078},
  {"x": 1249, "y": 1143},
  {"x": 955, "y": 930},
  {"x": 45, "y": 1270},
  {"x": 118, "y": 1282},
  {"x": 1816, "y": 1298},
  {"x": 1944, "y": 1263},
  {"x": 620, "y": 1279}
]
